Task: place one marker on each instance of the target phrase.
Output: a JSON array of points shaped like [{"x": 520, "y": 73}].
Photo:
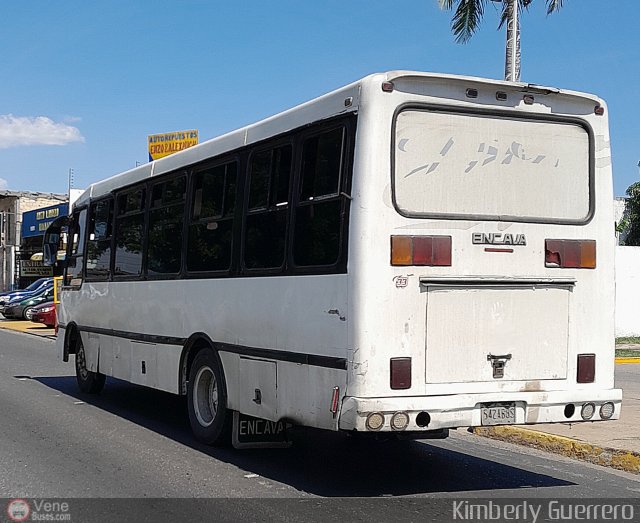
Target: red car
[{"x": 45, "y": 313}]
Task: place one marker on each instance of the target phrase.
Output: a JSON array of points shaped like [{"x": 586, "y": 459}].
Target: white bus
[{"x": 408, "y": 254}]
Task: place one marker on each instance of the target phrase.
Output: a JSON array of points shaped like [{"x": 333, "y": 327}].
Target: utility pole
[{"x": 70, "y": 182}]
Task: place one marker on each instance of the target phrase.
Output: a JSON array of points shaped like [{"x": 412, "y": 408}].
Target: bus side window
[
  {"x": 76, "y": 249},
  {"x": 129, "y": 231},
  {"x": 164, "y": 251},
  {"x": 266, "y": 220},
  {"x": 213, "y": 200},
  {"x": 98, "y": 256},
  {"x": 318, "y": 214}
]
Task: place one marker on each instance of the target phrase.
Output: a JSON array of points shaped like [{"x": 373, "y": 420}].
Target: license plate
[
  {"x": 498, "y": 414},
  {"x": 250, "y": 432}
]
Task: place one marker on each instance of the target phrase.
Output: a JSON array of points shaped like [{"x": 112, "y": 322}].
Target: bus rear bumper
[{"x": 427, "y": 413}]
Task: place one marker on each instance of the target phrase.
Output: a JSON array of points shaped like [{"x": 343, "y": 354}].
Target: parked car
[
  {"x": 22, "y": 308},
  {"x": 31, "y": 290},
  {"x": 44, "y": 313}
]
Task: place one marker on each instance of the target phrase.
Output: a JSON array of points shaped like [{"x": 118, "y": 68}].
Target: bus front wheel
[
  {"x": 88, "y": 381},
  {"x": 207, "y": 400}
]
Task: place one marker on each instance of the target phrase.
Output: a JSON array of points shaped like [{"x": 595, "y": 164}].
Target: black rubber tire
[
  {"x": 88, "y": 381},
  {"x": 210, "y": 419},
  {"x": 24, "y": 313}
]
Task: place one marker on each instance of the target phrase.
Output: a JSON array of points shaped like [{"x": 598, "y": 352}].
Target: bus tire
[
  {"x": 88, "y": 381},
  {"x": 209, "y": 416}
]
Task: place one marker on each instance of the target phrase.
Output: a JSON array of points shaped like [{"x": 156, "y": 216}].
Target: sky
[{"x": 83, "y": 84}]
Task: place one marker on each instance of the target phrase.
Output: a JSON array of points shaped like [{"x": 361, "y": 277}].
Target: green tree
[
  {"x": 468, "y": 15},
  {"x": 631, "y": 221}
]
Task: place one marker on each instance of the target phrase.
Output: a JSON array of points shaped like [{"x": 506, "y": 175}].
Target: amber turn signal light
[
  {"x": 570, "y": 254},
  {"x": 421, "y": 250}
]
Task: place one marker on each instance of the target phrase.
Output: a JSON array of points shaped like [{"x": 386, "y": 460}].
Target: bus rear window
[{"x": 491, "y": 167}]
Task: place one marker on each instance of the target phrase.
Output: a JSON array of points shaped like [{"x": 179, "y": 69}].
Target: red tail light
[
  {"x": 334, "y": 400},
  {"x": 400, "y": 373},
  {"x": 570, "y": 254},
  {"x": 421, "y": 250},
  {"x": 586, "y": 368}
]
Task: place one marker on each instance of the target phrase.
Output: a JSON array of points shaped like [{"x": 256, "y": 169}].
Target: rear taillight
[
  {"x": 400, "y": 373},
  {"x": 421, "y": 250},
  {"x": 570, "y": 254},
  {"x": 335, "y": 396},
  {"x": 586, "y": 368}
]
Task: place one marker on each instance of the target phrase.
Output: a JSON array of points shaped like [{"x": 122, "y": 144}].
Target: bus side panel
[
  {"x": 106, "y": 353},
  {"x": 167, "y": 361},
  {"x": 91, "y": 344},
  {"x": 301, "y": 394},
  {"x": 305, "y": 394}
]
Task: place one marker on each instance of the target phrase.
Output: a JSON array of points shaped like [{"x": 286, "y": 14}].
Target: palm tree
[{"x": 466, "y": 21}]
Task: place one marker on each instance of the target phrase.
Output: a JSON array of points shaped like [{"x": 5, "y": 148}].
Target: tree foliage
[
  {"x": 632, "y": 215},
  {"x": 468, "y": 14}
]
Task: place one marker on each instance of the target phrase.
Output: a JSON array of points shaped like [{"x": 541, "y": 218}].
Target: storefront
[{"x": 34, "y": 225}]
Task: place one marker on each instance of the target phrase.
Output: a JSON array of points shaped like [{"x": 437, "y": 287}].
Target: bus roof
[{"x": 326, "y": 106}]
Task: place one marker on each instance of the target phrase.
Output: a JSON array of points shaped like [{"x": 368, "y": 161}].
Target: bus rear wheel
[
  {"x": 88, "y": 381},
  {"x": 209, "y": 416}
]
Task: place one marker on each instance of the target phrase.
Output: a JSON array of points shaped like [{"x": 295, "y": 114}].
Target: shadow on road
[{"x": 320, "y": 462}]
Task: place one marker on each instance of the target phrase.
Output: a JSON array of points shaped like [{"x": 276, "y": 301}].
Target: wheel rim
[
  {"x": 205, "y": 396},
  {"x": 81, "y": 363},
  {"x": 28, "y": 314}
]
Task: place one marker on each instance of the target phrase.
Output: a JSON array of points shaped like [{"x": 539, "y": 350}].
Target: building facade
[{"x": 13, "y": 249}]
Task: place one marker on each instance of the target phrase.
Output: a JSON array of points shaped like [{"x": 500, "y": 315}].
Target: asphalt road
[
  {"x": 133, "y": 442},
  {"x": 628, "y": 378}
]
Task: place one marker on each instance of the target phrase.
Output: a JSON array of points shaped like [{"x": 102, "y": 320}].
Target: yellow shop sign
[{"x": 161, "y": 145}]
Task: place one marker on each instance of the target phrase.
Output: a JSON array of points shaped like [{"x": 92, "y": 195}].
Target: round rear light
[
  {"x": 606, "y": 411},
  {"x": 375, "y": 421},
  {"x": 588, "y": 410},
  {"x": 399, "y": 421}
]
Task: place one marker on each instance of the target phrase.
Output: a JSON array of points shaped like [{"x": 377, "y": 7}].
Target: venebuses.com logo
[{"x": 18, "y": 510}]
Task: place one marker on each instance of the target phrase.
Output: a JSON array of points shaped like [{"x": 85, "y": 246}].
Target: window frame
[
  {"x": 343, "y": 194},
  {"x": 174, "y": 175},
  {"x": 90, "y": 212},
  {"x": 116, "y": 194},
  {"x": 241, "y": 157},
  {"x": 506, "y": 114},
  {"x": 268, "y": 145},
  {"x": 73, "y": 224},
  {"x": 212, "y": 163}
]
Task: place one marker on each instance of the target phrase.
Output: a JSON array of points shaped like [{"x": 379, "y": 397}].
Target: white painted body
[
  {"x": 627, "y": 289},
  {"x": 446, "y": 319}
]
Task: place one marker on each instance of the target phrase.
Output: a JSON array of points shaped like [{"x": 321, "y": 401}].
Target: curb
[
  {"x": 628, "y": 360},
  {"x": 626, "y": 460},
  {"x": 27, "y": 328}
]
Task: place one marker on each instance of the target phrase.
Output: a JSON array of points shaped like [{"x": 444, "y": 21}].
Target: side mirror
[{"x": 52, "y": 242}]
